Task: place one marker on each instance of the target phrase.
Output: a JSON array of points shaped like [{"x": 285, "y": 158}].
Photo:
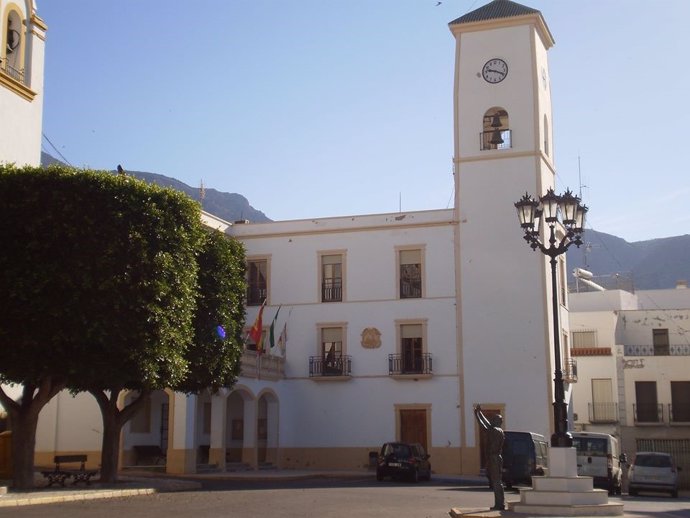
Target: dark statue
[{"x": 494, "y": 466}]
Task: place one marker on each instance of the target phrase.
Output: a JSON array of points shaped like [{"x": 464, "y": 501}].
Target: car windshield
[
  {"x": 653, "y": 461},
  {"x": 590, "y": 446}
]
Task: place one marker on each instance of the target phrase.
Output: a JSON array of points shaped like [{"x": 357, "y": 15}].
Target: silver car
[{"x": 653, "y": 472}]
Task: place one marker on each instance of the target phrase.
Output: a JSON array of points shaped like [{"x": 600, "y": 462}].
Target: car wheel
[
  {"x": 632, "y": 492},
  {"x": 674, "y": 493},
  {"x": 379, "y": 476}
]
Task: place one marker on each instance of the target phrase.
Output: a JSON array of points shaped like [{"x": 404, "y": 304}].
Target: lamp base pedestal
[{"x": 563, "y": 492}]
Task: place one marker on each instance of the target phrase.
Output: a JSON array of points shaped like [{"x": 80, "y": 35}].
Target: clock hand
[{"x": 497, "y": 71}]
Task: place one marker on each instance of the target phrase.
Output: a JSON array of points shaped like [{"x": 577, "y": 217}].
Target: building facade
[
  {"x": 633, "y": 353},
  {"x": 387, "y": 326},
  {"x": 22, "y": 41}
]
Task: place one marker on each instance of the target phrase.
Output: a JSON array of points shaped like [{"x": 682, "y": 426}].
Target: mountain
[
  {"x": 228, "y": 206},
  {"x": 615, "y": 263},
  {"x": 651, "y": 264}
]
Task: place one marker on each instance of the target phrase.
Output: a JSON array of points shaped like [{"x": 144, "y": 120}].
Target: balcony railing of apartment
[
  {"x": 648, "y": 350},
  {"x": 486, "y": 138},
  {"x": 410, "y": 288},
  {"x": 410, "y": 364},
  {"x": 256, "y": 295},
  {"x": 648, "y": 413},
  {"x": 680, "y": 414},
  {"x": 590, "y": 351},
  {"x": 332, "y": 290},
  {"x": 570, "y": 370},
  {"x": 325, "y": 367},
  {"x": 606, "y": 412},
  {"x": 14, "y": 73},
  {"x": 262, "y": 366}
]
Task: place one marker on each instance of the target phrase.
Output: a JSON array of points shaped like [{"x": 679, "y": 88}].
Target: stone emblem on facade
[{"x": 371, "y": 338}]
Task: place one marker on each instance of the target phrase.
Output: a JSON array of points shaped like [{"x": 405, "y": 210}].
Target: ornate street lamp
[{"x": 565, "y": 217}]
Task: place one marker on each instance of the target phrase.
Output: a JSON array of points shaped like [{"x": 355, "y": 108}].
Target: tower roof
[{"x": 495, "y": 9}]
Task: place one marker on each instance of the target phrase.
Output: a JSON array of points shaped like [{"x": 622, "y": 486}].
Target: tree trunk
[
  {"x": 23, "y": 422},
  {"x": 114, "y": 419}
]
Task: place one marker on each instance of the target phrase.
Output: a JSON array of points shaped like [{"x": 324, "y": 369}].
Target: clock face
[{"x": 495, "y": 70}]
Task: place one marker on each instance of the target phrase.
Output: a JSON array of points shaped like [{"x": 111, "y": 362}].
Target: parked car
[
  {"x": 598, "y": 457},
  {"x": 403, "y": 460},
  {"x": 653, "y": 472},
  {"x": 525, "y": 454}
]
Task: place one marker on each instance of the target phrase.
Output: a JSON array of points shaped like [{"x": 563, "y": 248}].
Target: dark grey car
[{"x": 403, "y": 460}]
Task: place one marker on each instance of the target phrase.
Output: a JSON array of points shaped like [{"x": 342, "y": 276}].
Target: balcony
[
  {"x": 648, "y": 350},
  {"x": 256, "y": 295},
  {"x": 648, "y": 414},
  {"x": 332, "y": 290},
  {"x": 679, "y": 415},
  {"x": 406, "y": 366},
  {"x": 570, "y": 370},
  {"x": 325, "y": 368},
  {"x": 590, "y": 351},
  {"x": 14, "y": 73},
  {"x": 600, "y": 413},
  {"x": 262, "y": 366}
]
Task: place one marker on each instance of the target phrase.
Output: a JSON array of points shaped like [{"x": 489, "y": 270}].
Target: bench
[
  {"x": 150, "y": 452},
  {"x": 59, "y": 475}
]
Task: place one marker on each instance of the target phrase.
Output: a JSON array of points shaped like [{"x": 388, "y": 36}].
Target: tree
[
  {"x": 98, "y": 280},
  {"x": 215, "y": 354},
  {"x": 212, "y": 357}
]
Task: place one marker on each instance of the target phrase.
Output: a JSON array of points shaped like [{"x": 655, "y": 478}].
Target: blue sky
[{"x": 313, "y": 108}]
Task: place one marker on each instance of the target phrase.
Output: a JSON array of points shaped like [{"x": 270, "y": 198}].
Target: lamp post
[{"x": 565, "y": 217}]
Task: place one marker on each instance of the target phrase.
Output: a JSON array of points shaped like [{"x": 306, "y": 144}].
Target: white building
[
  {"x": 397, "y": 324},
  {"x": 633, "y": 358},
  {"x": 22, "y": 39}
]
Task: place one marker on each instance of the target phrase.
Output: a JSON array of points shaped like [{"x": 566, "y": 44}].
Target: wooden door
[{"x": 413, "y": 426}]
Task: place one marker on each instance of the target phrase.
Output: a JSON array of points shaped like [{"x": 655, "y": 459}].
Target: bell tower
[{"x": 502, "y": 149}]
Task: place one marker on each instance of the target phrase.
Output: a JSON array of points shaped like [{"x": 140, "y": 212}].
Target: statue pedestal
[{"x": 563, "y": 493}]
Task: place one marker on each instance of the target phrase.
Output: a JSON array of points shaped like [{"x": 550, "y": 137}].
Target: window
[
  {"x": 603, "y": 406},
  {"x": 546, "y": 135},
  {"x": 12, "y": 50},
  {"x": 680, "y": 401},
  {"x": 331, "y": 277},
  {"x": 661, "y": 343},
  {"x": 584, "y": 339},
  {"x": 495, "y": 134},
  {"x": 412, "y": 359},
  {"x": 257, "y": 281},
  {"x": 332, "y": 349},
  {"x": 646, "y": 406},
  {"x": 410, "y": 271}
]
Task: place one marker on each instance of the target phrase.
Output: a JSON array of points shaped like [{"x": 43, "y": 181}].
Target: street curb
[{"x": 16, "y": 500}]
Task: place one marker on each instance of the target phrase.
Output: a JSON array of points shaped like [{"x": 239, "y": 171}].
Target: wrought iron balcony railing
[
  {"x": 648, "y": 413},
  {"x": 14, "y": 73},
  {"x": 400, "y": 364},
  {"x": 679, "y": 414},
  {"x": 332, "y": 290},
  {"x": 603, "y": 412},
  {"x": 320, "y": 366},
  {"x": 648, "y": 350}
]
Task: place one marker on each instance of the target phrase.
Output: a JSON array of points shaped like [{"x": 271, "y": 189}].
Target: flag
[
  {"x": 282, "y": 339},
  {"x": 257, "y": 329},
  {"x": 271, "y": 334}
]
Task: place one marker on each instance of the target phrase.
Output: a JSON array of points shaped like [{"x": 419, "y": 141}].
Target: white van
[{"x": 598, "y": 457}]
